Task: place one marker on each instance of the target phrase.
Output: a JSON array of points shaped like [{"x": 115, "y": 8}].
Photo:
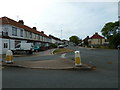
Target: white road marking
[{"x": 63, "y": 55}]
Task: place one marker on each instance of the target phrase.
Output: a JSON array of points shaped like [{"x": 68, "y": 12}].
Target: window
[
  {"x": 17, "y": 46},
  {"x": 21, "y": 33},
  {"x": 5, "y": 45},
  {"x": 17, "y": 42},
  {"x": 35, "y": 36},
  {"x": 14, "y": 31},
  {"x": 26, "y": 34},
  {"x": 38, "y": 37},
  {"x": 30, "y": 33},
  {"x": 42, "y": 38}
]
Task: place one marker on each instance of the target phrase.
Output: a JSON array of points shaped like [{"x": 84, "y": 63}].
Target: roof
[
  {"x": 54, "y": 37},
  {"x": 65, "y": 40},
  {"x": 6, "y": 20},
  {"x": 96, "y": 36},
  {"x": 86, "y": 39}
]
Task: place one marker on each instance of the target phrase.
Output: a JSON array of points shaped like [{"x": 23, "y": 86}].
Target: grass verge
[{"x": 62, "y": 50}]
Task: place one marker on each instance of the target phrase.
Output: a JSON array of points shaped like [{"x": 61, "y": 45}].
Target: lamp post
[
  {"x": 61, "y": 31},
  {"x": 61, "y": 34}
]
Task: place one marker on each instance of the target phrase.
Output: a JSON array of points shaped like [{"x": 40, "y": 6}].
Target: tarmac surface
[
  {"x": 49, "y": 64},
  {"x": 104, "y": 76}
]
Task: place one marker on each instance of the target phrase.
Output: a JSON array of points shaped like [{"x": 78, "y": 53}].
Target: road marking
[{"x": 63, "y": 55}]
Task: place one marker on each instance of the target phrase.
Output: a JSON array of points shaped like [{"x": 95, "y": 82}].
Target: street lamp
[
  {"x": 61, "y": 34},
  {"x": 61, "y": 31}
]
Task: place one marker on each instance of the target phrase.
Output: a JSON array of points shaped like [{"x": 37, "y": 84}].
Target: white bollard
[
  {"x": 9, "y": 57},
  {"x": 77, "y": 59}
]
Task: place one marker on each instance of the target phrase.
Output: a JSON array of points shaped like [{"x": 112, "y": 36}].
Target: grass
[{"x": 62, "y": 50}]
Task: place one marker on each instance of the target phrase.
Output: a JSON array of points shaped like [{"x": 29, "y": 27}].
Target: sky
[{"x": 62, "y": 18}]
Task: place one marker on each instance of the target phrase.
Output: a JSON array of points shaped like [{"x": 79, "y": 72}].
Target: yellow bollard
[
  {"x": 9, "y": 57},
  {"x": 77, "y": 59}
]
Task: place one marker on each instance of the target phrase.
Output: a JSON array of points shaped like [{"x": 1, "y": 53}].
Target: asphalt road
[{"x": 105, "y": 75}]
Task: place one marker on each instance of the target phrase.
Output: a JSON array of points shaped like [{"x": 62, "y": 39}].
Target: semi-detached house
[
  {"x": 13, "y": 32},
  {"x": 96, "y": 39}
]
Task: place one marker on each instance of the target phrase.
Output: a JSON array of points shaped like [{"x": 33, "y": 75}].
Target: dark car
[
  {"x": 118, "y": 46},
  {"x": 66, "y": 45}
]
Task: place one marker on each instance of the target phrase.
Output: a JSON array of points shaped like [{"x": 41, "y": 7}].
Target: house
[
  {"x": 13, "y": 32},
  {"x": 55, "y": 40},
  {"x": 95, "y": 40},
  {"x": 66, "y": 42},
  {"x": 85, "y": 41}
]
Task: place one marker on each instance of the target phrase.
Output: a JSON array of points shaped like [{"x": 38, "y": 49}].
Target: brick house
[{"x": 96, "y": 39}]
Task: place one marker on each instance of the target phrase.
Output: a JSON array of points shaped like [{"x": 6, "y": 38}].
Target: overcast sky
[{"x": 73, "y": 17}]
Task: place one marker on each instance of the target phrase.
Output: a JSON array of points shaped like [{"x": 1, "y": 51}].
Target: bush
[
  {"x": 43, "y": 48},
  {"x": 53, "y": 46}
]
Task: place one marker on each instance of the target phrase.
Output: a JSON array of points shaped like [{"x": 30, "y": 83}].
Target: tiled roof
[
  {"x": 86, "y": 39},
  {"x": 54, "y": 37},
  {"x": 6, "y": 20},
  {"x": 96, "y": 36}
]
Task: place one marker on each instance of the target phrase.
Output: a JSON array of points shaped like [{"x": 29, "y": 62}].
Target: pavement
[{"x": 59, "y": 64}]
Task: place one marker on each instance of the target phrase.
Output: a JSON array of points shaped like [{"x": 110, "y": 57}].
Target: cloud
[{"x": 73, "y": 17}]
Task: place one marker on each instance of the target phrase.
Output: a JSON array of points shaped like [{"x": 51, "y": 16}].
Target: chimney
[
  {"x": 96, "y": 33},
  {"x": 87, "y": 36},
  {"x": 34, "y": 28},
  {"x": 21, "y": 22},
  {"x": 42, "y": 32}
]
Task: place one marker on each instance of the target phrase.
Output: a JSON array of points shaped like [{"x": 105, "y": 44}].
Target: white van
[{"x": 27, "y": 47}]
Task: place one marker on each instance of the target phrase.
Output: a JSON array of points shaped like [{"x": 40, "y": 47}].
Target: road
[{"x": 105, "y": 75}]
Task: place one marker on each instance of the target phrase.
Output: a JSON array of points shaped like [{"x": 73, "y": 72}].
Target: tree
[
  {"x": 111, "y": 33},
  {"x": 74, "y": 39},
  {"x": 110, "y": 29},
  {"x": 114, "y": 40}
]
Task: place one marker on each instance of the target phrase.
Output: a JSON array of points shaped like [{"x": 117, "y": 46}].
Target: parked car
[
  {"x": 66, "y": 45},
  {"x": 36, "y": 48},
  {"x": 79, "y": 44},
  {"x": 61, "y": 46},
  {"x": 118, "y": 46}
]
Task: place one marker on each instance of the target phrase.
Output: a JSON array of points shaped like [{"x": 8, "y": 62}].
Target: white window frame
[
  {"x": 21, "y": 32},
  {"x": 14, "y": 31},
  {"x": 25, "y": 33},
  {"x": 5, "y": 45},
  {"x": 30, "y": 34}
]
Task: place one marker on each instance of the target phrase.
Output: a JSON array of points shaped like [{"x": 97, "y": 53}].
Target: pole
[
  {"x": 61, "y": 34},
  {"x": 17, "y": 17},
  {"x": 9, "y": 44}
]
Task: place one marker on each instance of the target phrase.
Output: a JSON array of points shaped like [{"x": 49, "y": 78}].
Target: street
[{"x": 105, "y": 75}]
